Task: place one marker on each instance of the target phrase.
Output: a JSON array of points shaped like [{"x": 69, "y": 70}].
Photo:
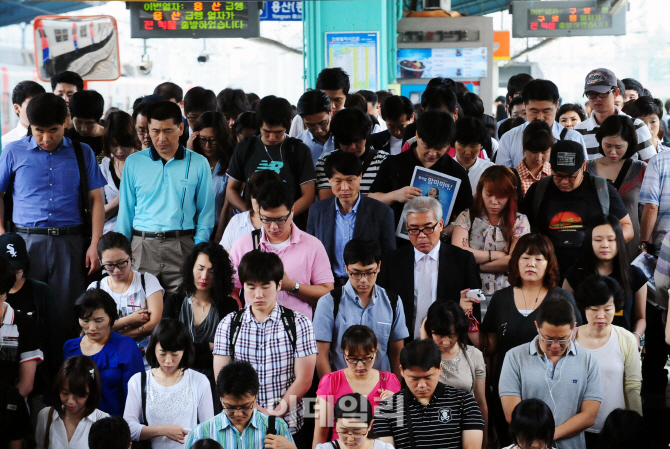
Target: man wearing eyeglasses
[
  {"x": 555, "y": 370},
  {"x": 315, "y": 109},
  {"x": 307, "y": 275},
  {"x": 430, "y": 270},
  {"x": 601, "y": 88},
  {"x": 241, "y": 424},
  {"x": 560, "y": 206},
  {"x": 196, "y": 101}
]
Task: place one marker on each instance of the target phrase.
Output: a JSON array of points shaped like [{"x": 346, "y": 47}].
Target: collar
[
  {"x": 180, "y": 154},
  {"x": 65, "y": 143},
  {"x": 532, "y": 348},
  {"x": 93, "y": 417},
  {"x": 477, "y": 159},
  {"x": 275, "y": 315},
  {"x": 331, "y": 138},
  {"x": 438, "y": 393},
  {"x": 355, "y": 208},
  {"x": 525, "y": 173},
  {"x": 296, "y": 236},
  {"x": 348, "y": 289},
  {"x": 253, "y": 422},
  {"x": 433, "y": 254},
  {"x": 9, "y": 314}
]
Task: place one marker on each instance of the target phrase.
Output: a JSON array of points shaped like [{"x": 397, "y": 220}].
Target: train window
[
  {"x": 65, "y": 34},
  {"x": 83, "y": 31},
  {"x": 57, "y": 33}
]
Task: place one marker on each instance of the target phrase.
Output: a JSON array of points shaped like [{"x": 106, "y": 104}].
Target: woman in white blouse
[
  {"x": 76, "y": 392},
  {"x": 177, "y": 398}
]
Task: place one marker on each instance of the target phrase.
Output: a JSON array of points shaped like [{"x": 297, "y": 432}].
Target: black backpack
[{"x": 287, "y": 318}]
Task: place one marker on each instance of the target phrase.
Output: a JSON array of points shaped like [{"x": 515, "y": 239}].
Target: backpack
[
  {"x": 599, "y": 183},
  {"x": 287, "y": 318},
  {"x": 336, "y": 293}
]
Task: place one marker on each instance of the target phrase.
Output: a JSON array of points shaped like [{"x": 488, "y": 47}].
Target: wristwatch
[
  {"x": 294, "y": 290},
  {"x": 643, "y": 246}
]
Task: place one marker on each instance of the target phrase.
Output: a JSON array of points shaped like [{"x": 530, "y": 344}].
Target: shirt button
[
  {"x": 51, "y": 169},
  {"x": 50, "y": 184},
  {"x": 51, "y": 199}
]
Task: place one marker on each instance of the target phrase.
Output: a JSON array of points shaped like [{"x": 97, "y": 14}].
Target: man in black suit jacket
[
  {"x": 448, "y": 270},
  {"x": 347, "y": 215}
]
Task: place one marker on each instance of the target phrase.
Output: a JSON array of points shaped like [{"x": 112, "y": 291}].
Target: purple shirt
[{"x": 305, "y": 262}]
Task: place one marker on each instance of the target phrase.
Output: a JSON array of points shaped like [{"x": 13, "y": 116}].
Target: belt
[
  {"x": 163, "y": 235},
  {"x": 66, "y": 230}
]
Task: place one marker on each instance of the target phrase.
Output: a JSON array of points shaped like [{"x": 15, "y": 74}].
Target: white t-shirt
[
  {"x": 186, "y": 404},
  {"x": 238, "y": 226},
  {"x": 475, "y": 172},
  {"x": 395, "y": 146}
]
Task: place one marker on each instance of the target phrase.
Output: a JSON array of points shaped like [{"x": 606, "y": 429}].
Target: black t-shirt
[
  {"x": 23, "y": 300},
  {"x": 94, "y": 142},
  {"x": 396, "y": 172},
  {"x": 563, "y": 216},
  {"x": 637, "y": 279},
  {"x": 14, "y": 418},
  {"x": 292, "y": 160}
]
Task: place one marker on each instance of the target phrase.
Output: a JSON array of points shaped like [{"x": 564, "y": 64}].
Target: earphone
[{"x": 560, "y": 371}]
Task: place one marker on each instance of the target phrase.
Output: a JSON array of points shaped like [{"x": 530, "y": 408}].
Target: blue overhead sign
[{"x": 282, "y": 11}]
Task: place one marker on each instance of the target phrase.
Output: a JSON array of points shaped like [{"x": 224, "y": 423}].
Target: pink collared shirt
[{"x": 305, "y": 262}]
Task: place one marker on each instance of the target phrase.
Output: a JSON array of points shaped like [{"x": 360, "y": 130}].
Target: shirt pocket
[{"x": 67, "y": 182}]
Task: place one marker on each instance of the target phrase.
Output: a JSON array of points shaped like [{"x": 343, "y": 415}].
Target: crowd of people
[{"x": 208, "y": 271}]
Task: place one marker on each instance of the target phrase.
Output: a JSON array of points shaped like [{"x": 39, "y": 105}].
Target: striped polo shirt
[
  {"x": 589, "y": 127},
  {"x": 368, "y": 177},
  {"x": 439, "y": 425}
]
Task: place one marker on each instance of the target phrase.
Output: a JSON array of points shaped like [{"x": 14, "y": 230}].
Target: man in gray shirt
[{"x": 552, "y": 368}]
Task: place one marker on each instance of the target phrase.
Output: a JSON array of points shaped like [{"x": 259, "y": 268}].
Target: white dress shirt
[
  {"x": 58, "y": 434},
  {"x": 434, "y": 254},
  {"x": 17, "y": 133}
]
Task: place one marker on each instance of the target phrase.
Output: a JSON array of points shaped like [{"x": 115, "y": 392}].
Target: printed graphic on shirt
[
  {"x": 275, "y": 166},
  {"x": 566, "y": 220},
  {"x": 444, "y": 414}
]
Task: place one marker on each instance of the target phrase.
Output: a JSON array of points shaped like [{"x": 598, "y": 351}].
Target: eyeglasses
[
  {"x": 592, "y": 95},
  {"x": 560, "y": 178},
  {"x": 552, "y": 341},
  {"x": 427, "y": 230},
  {"x": 192, "y": 117},
  {"x": 322, "y": 124},
  {"x": 246, "y": 408},
  {"x": 351, "y": 433},
  {"x": 120, "y": 265},
  {"x": 204, "y": 141},
  {"x": 365, "y": 360},
  {"x": 357, "y": 275},
  {"x": 279, "y": 220}
]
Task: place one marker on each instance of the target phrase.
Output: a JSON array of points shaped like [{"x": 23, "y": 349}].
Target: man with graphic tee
[
  {"x": 273, "y": 150},
  {"x": 560, "y": 206}
]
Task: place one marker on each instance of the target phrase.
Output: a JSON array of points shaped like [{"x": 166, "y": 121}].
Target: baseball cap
[
  {"x": 13, "y": 249},
  {"x": 567, "y": 156},
  {"x": 600, "y": 80}
]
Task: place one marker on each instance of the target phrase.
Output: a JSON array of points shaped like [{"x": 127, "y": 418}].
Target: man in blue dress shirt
[
  {"x": 166, "y": 199},
  {"x": 315, "y": 109},
  {"x": 42, "y": 174}
]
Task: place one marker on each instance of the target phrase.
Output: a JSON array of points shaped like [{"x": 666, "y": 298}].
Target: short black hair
[
  {"x": 359, "y": 339},
  {"x": 537, "y": 137},
  {"x": 624, "y": 429},
  {"x": 67, "y": 77},
  {"x": 382, "y": 95},
  {"x": 633, "y": 84},
  {"x": 246, "y": 120},
  {"x": 395, "y": 106},
  {"x": 111, "y": 432},
  {"x": 221, "y": 266},
  {"x": 333, "y": 79},
  {"x": 313, "y": 102},
  {"x": 618, "y": 125},
  {"x": 259, "y": 266},
  {"x": 470, "y": 130},
  {"x": 353, "y": 406},
  {"x": 232, "y": 102},
  {"x": 572, "y": 107},
  {"x": 597, "y": 290},
  {"x": 87, "y": 104},
  {"x": 114, "y": 240},
  {"x": 556, "y": 310},
  {"x": 421, "y": 354},
  {"x": 532, "y": 420},
  {"x": 345, "y": 163},
  {"x": 140, "y": 109},
  {"x": 516, "y": 83},
  {"x": 436, "y": 128},
  {"x": 369, "y": 96},
  {"x": 350, "y": 125},
  {"x": 363, "y": 251},
  {"x": 540, "y": 90},
  {"x": 356, "y": 100},
  {"x": 471, "y": 105},
  {"x": 510, "y": 124},
  {"x": 173, "y": 335},
  {"x": 94, "y": 299},
  {"x": 7, "y": 276},
  {"x": 199, "y": 99},
  {"x": 169, "y": 91},
  {"x": 206, "y": 443},
  {"x": 24, "y": 90},
  {"x": 47, "y": 109},
  {"x": 274, "y": 194},
  {"x": 644, "y": 106},
  {"x": 256, "y": 180},
  {"x": 439, "y": 97},
  {"x": 119, "y": 130},
  {"x": 514, "y": 102},
  {"x": 164, "y": 110},
  {"x": 447, "y": 318},
  {"x": 238, "y": 379},
  {"x": 274, "y": 111}
]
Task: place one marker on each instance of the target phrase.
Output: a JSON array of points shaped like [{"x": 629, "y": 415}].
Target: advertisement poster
[
  {"x": 437, "y": 185},
  {"x": 357, "y": 53},
  {"x": 445, "y": 62}
]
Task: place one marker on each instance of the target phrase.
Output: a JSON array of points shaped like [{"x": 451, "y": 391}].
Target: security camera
[
  {"x": 145, "y": 67},
  {"x": 203, "y": 59}
]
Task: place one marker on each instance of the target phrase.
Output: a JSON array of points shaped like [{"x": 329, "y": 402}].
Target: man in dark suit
[
  {"x": 430, "y": 270},
  {"x": 349, "y": 214}
]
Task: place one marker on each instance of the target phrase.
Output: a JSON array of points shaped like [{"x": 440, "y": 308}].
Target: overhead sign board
[
  {"x": 283, "y": 11},
  {"x": 193, "y": 19},
  {"x": 565, "y": 18}
]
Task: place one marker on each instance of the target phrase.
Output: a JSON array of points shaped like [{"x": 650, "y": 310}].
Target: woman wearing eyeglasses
[
  {"x": 510, "y": 317},
  {"x": 617, "y": 140},
  {"x": 353, "y": 416},
  {"x": 359, "y": 347},
  {"x": 138, "y": 297},
  {"x": 532, "y": 425}
]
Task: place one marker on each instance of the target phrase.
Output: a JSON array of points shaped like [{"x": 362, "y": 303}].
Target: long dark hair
[
  {"x": 501, "y": 182},
  {"x": 221, "y": 265},
  {"x": 224, "y": 138},
  {"x": 446, "y": 318},
  {"x": 119, "y": 130},
  {"x": 83, "y": 379},
  {"x": 588, "y": 260}
]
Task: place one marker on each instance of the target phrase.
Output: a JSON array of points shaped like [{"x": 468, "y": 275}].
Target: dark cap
[
  {"x": 567, "y": 156},
  {"x": 600, "y": 80},
  {"x": 13, "y": 249}
]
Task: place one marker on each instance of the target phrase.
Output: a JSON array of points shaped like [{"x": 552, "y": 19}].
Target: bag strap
[
  {"x": 622, "y": 173},
  {"x": 48, "y": 429},
  {"x": 541, "y": 189},
  {"x": 143, "y": 379},
  {"x": 564, "y": 133},
  {"x": 372, "y": 153},
  {"x": 394, "y": 298},
  {"x": 288, "y": 319},
  {"x": 336, "y": 293},
  {"x": 144, "y": 285},
  {"x": 235, "y": 326},
  {"x": 407, "y": 397},
  {"x": 272, "y": 427},
  {"x": 256, "y": 238},
  {"x": 603, "y": 194},
  {"x": 335, "y": 444},
  {"x": 83, "y": 179}
]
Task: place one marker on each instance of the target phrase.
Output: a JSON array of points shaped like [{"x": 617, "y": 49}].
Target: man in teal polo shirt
[{"x": 166, "y": 202}]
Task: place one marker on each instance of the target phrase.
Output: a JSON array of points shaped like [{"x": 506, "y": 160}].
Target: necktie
[{"x": 425, "y": 294}]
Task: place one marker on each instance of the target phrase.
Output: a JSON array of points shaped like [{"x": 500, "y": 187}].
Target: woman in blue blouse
[{"x": 118, "y": 358}]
